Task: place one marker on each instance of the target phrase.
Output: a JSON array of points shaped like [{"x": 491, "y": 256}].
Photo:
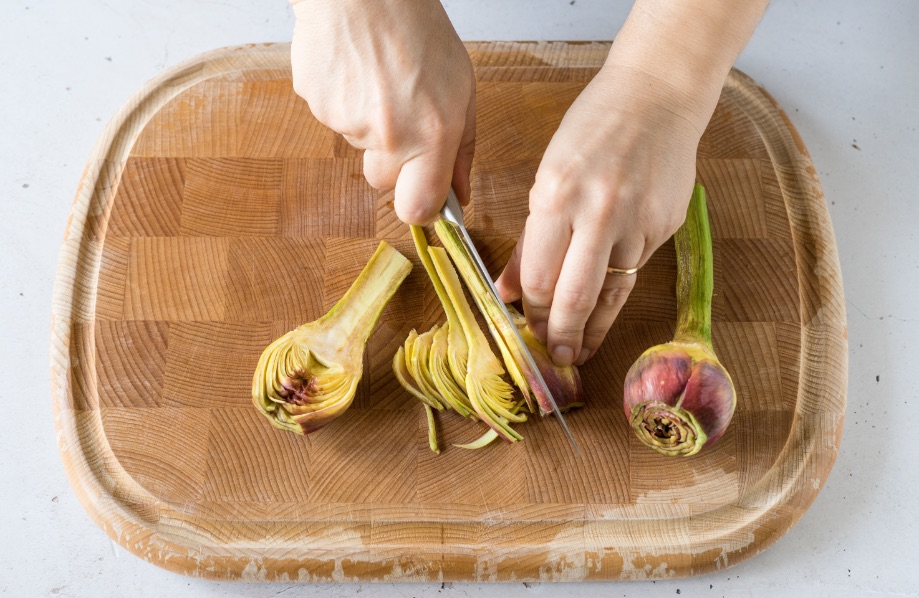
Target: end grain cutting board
[{"x": 215, "y": 214}]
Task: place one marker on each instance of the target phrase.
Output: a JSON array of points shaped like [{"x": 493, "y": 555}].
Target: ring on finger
[{"x": 622, "y": 271}]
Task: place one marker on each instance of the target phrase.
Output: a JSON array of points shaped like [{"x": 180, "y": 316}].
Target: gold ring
[{"x": 621, "y": 271}]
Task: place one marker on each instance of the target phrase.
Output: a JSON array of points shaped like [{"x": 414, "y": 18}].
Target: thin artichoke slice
[{"x": 491, "y": 397}]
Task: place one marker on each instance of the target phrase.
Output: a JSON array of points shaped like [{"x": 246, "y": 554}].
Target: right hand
[{"x": 393, "y": 77}]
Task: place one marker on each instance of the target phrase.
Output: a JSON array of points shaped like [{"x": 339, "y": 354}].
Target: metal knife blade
[{"x": 452, "y": 212}]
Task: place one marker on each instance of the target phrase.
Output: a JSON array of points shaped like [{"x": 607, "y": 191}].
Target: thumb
[
  {"x": 508, "y": 284},
  {"x": 422, "y": 186}
]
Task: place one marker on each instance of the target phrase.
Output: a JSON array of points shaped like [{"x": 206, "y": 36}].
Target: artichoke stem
[
  {"x": 694, "y": 285},
  {"x": 355, "y": 315}
]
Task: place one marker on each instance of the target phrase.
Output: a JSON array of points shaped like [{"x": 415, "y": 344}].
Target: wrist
[
  {"x": 679, "y": 84},
  {"x": 651, "y": 99},
  {"x": 684, "y": 49},
  {"x": 680, "y": 63}
]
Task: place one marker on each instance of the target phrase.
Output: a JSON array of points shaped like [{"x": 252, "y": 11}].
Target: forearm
[{"x": 687, "y": 47}]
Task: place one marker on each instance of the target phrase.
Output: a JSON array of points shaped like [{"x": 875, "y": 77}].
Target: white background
[{"x": 846, "y": 71}]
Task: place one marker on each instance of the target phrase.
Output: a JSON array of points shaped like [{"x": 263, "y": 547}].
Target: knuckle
[
  {"x": 610, "y": 202},
  {"x": 550, "y": 177},
  {"x": 537, "y": 284},
  {"x": 615, "y": 296},
  {"x": 598, "y": 197},
  {"x": 376, "y": 173},
  {"x": 321, "y": 111},
  {"x": 566, "y": 331},
  {"x": 378, "y": 182},
  {"x": 606, "y": 191},
  {"x": 575, "y": 301},
  {"x": 551, "y": 189},
  {"x": 603, "y": 205},
  {"x": 437, "y": 127}
]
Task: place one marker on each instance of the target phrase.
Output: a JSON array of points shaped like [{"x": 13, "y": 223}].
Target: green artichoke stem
[
  {"x": 355, "y": 316},
  {"x": 694, "y": 284}
]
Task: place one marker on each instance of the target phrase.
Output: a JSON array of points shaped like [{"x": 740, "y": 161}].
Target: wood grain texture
[{"x": 215, "y": 214}]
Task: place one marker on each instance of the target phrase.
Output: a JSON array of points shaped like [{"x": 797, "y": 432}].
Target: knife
[{"x": 452, "y": 212}]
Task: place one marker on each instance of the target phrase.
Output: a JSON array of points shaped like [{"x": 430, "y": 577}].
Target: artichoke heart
[{"x": 308, "y": 377}]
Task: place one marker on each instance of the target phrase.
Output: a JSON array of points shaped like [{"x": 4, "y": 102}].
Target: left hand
[{"x": 613, "y": 185}]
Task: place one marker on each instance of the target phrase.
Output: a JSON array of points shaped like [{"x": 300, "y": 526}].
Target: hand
[
  {"x": 613, "y": 185},
  {"x": 394, "y": 79},
  {"x": 616, "y": 178}
]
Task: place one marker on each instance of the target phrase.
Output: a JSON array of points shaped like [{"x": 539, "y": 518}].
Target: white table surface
[{"x": 846, "y": 71}]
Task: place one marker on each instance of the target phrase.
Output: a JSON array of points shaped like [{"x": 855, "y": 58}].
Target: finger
[
  {"x": 381, "y": 169},
  {"x": 354, "y": 141},
  {"x": 463, "y": 165},
  {"x": 422, "y": 186},
  {"x": 614, "y": 292},
  {"x": 544, "y": 248},
  {"x": 576, "y": 293},
  {"x": 508, "y": 284}
]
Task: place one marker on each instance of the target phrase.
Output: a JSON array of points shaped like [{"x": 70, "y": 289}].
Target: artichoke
[
  {"x": 308, "y": 377},
  {"x": 678, "y": 397}
]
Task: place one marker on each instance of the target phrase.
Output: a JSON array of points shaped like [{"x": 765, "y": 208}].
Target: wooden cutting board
[{"x": 216, "y": 214}]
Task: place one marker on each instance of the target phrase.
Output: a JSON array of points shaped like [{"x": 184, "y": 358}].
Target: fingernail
[
  {"x": 540, "y": 331},
  {"x": 585, "y": 353},
  {"x": 563, "y": 355}
]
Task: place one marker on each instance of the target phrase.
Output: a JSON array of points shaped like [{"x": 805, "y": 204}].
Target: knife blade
[{"x": 452, "y": 212}]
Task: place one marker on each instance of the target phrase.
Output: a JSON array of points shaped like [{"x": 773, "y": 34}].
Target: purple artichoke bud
[{"x": 678, "y": 396}]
